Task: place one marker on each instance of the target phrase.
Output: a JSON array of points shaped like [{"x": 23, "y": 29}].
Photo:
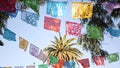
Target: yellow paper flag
[
  {"x": 82, "y": 9},
  {"x": 23, "y": 44}
]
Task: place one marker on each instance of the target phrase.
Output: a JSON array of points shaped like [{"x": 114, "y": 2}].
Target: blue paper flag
[
  {"x": 69, "y": 64},
  {"x": 30, "y": 18},
  {"x": 9, "y": 35},
  {"x": 113, "y": 32},
  {"x": 56, "y": 8}
]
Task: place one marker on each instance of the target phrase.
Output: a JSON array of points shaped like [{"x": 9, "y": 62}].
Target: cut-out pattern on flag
[
  {"x": 9, "y": 35},
  {"x": 85, "y": 63},
  {"x": 23, "y": 44},
  {"x": 55, "y": 8},
  {"x": 52, "y": 24},
  {"x": 113, "y": 57},
  {"x": 82, "y": 9},
  {"x": 113, "y": 32},
  {"x": 73, "y": 28},
  {"x": 94, "y": 32},
  {"x": 43, "y": 66},
  {"x": 30, "y": 66},
  {"x": 33, "y": 4},
  {"x": 7, "y": 5},
  {"x": 109, "y": 7},
  {"x": 30, "y": 18},
  {"x": 42, "y": 55},
  {"x": 19, "y": 67},
  {"x": 69, "y": 64},
  {"x": 34, "y": 50},
  {"x": 53, "y": 59},
  {"x": 99, "y": 60}
]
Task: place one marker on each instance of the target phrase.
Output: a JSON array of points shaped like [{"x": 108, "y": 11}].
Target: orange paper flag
[{"x": 23, "y": 44}]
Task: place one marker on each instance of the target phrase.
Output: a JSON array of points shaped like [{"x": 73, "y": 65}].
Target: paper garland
[
  {"x": 94, "y": 32},
  {"x": 23, "y": 44},
  {"x": 113, "y": 32},
  {"x": 9, "y": 35},
  {"x": 43, "y": 66},
  {"x": 82, "y": 9},
  {"x": 109, "y": 7},
  {"x": 73, "y": 28},
  {"x": 55, "y": 8},
  {"x": 52, "y": 24},
  {"x": 34, "y": 50},
  {"x": 30, "y": 18},
  {"x": 99, "y": 60},
  {"x": 113, "y": 57}
]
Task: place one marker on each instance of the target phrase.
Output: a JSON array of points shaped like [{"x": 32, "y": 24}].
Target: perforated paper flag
[
  {"x": 69, "y": 64},
  {"x": 7, "y": 5},
  {"x": 30, "y": 66},
  {"x": 109, "y": 7},
  {"x": 55, "y": 8},
  {"x": 9, "y": 35},
  {"x": 99, "y": 60},
  {"x": 113, "y": 57},
  {"x": 94, "y": 32},
  {"x": 113, "y": 32},
  {"x": 42, "y": 55},
  {"x": 73, "y": 28},
  {"x": 53, "y": 59},
  {"x": 82, "y": 9},
  {"x": 84, "y": 62},
  {"x": 23, "y": 44},
  {"x": 43, "y": 66},
  {"x": 52, "y": 24},
  {"x": 8, "y": 67},
  {"x": 19, "y": 67},
  {"x": 30, "y": 18},
  {"x": 34, "y": 50},
  {"x": 33, "y": 4}
]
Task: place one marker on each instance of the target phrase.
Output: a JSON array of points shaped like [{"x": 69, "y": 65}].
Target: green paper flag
[
  {"x": 33, "y": 4},
  {"x": 113, "y": 57},
  {"x": 94, "y": 32},
  {"x": 53, "y": 59},
  {"x": 43, "y": 66}
]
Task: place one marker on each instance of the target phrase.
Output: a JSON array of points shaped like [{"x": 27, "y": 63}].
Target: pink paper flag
[
  {"x": 84, "y": 62},
  {"x": 42, "y": 55},
  {"x": 73, "y": 28},
  {"x": 99, "y": 60}
]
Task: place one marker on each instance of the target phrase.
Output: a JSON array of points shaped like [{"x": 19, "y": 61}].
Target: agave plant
[{"x": 62, "y": 49}]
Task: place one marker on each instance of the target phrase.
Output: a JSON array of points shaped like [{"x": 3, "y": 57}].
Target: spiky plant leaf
[{"x": 62, "y": 48}]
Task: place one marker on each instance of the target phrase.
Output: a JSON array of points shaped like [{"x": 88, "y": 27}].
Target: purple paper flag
[
  {"x": 109, "y": 7},
  {"x": 18, "y": 66},
  {"x": 33, "y": 50}
]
